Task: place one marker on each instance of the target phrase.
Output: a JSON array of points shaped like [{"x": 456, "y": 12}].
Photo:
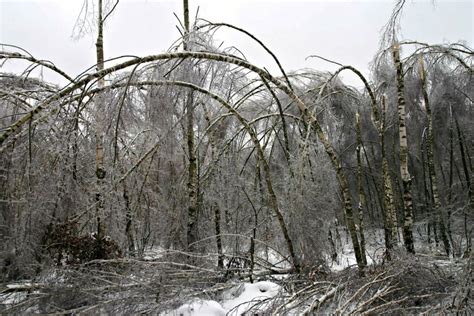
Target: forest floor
[{"x": 161, "y": 283}]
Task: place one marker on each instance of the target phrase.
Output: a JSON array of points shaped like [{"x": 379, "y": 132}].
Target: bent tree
[
  {"x": 199, "y": 144},
  {"x": 309, "y": 117}
]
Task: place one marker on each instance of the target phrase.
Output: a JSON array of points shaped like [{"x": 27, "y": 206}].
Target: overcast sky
[{"x": 345, "y": 31}]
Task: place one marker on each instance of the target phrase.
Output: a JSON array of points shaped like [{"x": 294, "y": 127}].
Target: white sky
[{"x": 344, "y": 31}]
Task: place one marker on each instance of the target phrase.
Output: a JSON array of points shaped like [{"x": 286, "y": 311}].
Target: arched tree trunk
[{"x": 309, "y": 116}]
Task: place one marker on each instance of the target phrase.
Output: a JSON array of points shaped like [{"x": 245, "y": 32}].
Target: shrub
[{"x": 64, "y": 244}]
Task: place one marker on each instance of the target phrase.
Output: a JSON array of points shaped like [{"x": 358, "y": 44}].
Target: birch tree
[
  {"x": 406, "y": 178},
  {"x": 430, "y": 158}
]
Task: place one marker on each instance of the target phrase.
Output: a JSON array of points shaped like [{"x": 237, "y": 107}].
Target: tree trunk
[
  {"x": 362, "y": 199},
  {"x": 193, "y": 203},
  {"x": 193, "y": 187},
  {"x": 217, "y": 222},
  {"x": 390, "y": 216},
  {"x": 451, "y": 180},
  {"x": 217, "y": 210},
  {"x": 431, "y": 167},
  {"x": 406, "y": 178},
  {"x": 466, "y": 165},
  {"x": 99, "y": 150},
  {"x": 186, "y": 24},
  {"x": 128, "y": 222},
  {"x": 346, "y": 195}
]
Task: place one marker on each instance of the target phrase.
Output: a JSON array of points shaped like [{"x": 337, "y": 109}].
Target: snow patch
[
  {"x": 10, "y": 299},
  {"x": 241, "y": 299},
  {"x": 255, "y": 297},
  {"x": 200, "y": 308},
  {"x": 153, "y": 253}
]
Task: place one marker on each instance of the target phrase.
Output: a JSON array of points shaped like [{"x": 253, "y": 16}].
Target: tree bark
[
  {"x": 431, "y": 167},
  {"x": 390, "y": 215},
  {"x": 406, "y": 178},
  {"x": 99, "y": 150},
  {"x": 193, "y": 203},
  {"x": 186, "y": 24},
  {"x": 362, "y": 200},
  {"x": 129, "y": 222},
  {"x": 467, "y": 168},
  {"x": 466, "y": 165},
  {"x": 215, "y": 205},
  {"x": 193, "y": 186}
]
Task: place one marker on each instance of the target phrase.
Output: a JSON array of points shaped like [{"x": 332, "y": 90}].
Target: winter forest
[{"x": 194, "y": 182}]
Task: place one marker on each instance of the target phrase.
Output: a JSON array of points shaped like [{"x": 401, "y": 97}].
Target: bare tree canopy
[{"x": 197, "y": 182}]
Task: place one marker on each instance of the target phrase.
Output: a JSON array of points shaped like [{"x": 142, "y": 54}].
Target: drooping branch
[
  {"x": 444, "y": 51},
  {"x": 44, "y": 63},
  {"x": 255, "y": 39},
  {"x": 373, "y": 100},
  {"x": 308, "y": 115}
]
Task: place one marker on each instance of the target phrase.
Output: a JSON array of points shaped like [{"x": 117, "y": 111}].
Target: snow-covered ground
[
  {"x": 7, "y": 299},
  {"x": 375, "y": 247},
  {"x": 243, "y": 298},
  {"x": 153, "y": 253},
  {"x": 240, "y": 298},
  {"x": 345, "y": 253}
]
